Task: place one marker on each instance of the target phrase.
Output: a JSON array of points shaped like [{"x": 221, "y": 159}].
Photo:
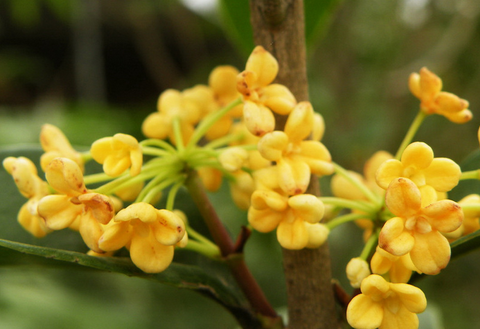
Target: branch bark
[{"x": 278, "y": 25}]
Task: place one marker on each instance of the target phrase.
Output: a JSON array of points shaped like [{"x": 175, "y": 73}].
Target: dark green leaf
[
  {"x": 318, "y": 15},
  {"x": 465, "y": 244},
  {"x": 235, "y": 17}
]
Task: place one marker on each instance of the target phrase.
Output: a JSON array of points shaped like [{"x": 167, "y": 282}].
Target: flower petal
[
  {"x": 364, "y": 313},
  {"x": 149, "y": 255},
  {"x": 443, "y": 174},
  {"x": 394, "y": 238},
  {"x": 403, "y": 197},
  {"x": 444, "y": 215},
  {"x": 58, "y": 212},
  {"x": 431, "y": 252},
  {"x": 292, "y": 235}
]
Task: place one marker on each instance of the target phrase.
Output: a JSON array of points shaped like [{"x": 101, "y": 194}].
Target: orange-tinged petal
[
  {"x": 430, "y": 83},
  {"x": 443, "y": 174},
  {"x": 149, "y": 255},
  {"x": 418, "y": 155},
  {"x": 263, "y": 64},
  {"x": 300, "y": 122},
  {"x": 444, "y": 215},
  {"x": 58, "y": 212},
  {"x": 403, "y": 198},
  {"x": 431, "y": 252},
  {"x": 99, "y": 205},
  {"x": 394, "y": 238},
  {"x": 259, "y": 120},
  {"x": 363, "y": 312},
  {"x": 292, "y": 235},
  {"x": 264, "y": 220},
  {"x": 462, "y": 116},
  {"x": 375, "y": 286}
]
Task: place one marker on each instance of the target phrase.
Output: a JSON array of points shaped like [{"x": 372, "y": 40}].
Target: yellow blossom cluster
[{"x": 227, "y": 129}]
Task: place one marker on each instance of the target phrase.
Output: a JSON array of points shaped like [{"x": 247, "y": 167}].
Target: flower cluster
[{"x": 227, "y": 129}]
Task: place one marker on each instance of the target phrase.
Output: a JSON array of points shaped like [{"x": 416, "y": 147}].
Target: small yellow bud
[
  {"x": 233, "y": 159},
  {"x": 357, "y": 270}
]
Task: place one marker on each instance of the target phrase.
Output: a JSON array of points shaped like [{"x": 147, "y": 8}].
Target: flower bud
[{"x": 357, "y": 270}]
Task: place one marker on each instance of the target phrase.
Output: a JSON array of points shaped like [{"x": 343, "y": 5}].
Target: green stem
[
  {"x": 225, "y": 140},
  {"x": 96, "y": 178},
  {"x": 159, "y": 143},
  {"x": 369, "y": 246},
  {"x": 209, "y": 121},
  {"x": 344, "y": 219},
  {"x": 210, "y": 251},
  {"x": 362, "y": 187},
  {"x": 154, "y": 151},
  {"x": 172, "y": 193},
  {"x": 350, "y": 204},
  {"x": 473, "y": 174},
  {"x": 177, "y": 132},
  {"x": 411, "y": 133}
]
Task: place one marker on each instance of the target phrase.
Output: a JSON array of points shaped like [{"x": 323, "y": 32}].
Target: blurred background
[{"x": 95, "y": 68}]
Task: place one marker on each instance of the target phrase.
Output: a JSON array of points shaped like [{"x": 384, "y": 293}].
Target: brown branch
[{"x": 311, "y": 300}]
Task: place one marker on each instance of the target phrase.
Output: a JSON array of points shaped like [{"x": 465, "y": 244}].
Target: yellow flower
[
  {"x": 431, "y": 175},
  {"x": 357, "y": 270},
  {"x": 174, "y": 104},
  {"x": 399, "y": 268},
  {"x": 74, "y": 203},
  {"x": 385, "y": 305},
  {"x": 295, "y": 157},
  {"x": 117, "y": 154},
  {"x": 32, "y": 187},
  {"x": 260, "y": 95},
  {"x": 150, "y": 235},
  {"x": 427, "y": 87},
  {"x": 55, "y": 145},
  {"x": 417, "y": 229},
  {"x": 295, "y": 218}
]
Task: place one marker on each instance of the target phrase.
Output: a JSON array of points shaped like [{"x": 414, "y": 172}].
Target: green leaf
[
  {"x": 318, "y": 15},
  {"x": 66, "y": 249},
  {"x": 469, "y": 186},
  {"x": 217, "y": 287},
  {"x": 235, "y": 15},
  {"x": 465, "y": 244}
]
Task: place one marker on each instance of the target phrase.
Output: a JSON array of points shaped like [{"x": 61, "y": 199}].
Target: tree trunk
[{"x": 278, "y": 25}]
